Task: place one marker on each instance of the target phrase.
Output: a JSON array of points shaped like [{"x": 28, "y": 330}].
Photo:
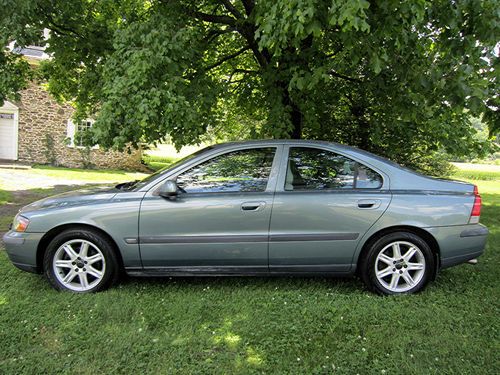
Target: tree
[{"x": 401, "y": 78}]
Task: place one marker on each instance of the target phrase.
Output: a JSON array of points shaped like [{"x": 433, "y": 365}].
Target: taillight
[{"x": 476, "y": 208}]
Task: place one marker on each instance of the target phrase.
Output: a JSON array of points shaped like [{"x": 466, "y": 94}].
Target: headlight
[{"x": 20, "y": 224}]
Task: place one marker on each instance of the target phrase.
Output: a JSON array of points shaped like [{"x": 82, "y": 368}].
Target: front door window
[{"x": 237, "y": 171}]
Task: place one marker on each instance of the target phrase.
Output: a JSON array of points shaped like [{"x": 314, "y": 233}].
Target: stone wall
[{"x": 43, "y": 136}]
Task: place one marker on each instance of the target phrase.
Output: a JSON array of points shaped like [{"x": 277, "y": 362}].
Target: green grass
[
  {"x": 90, "y": 175},
  {"x": 158, "y": 162},
  {"x": 258, "y": 325},
  {"x": 466, "y": 174},
  {"x": 5, "y": 197}
]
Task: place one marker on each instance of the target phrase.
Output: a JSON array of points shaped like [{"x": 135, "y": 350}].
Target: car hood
[{"x": 73, "y": 198}]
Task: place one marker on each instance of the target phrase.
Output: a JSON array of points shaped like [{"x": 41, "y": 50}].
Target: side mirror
[{"x": 168, "y": 190}]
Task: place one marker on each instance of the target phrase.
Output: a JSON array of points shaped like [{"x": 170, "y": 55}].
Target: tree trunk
[
  {"x": 296, "y": 116},
  {"x": 364, "y": 131}
]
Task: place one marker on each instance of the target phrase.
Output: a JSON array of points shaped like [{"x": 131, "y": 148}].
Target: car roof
[
  {"x": 301, "y": 142},
  {"x": 280, "y": 142}
]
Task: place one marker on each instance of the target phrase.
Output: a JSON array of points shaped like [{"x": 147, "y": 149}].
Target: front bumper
[
  {"x": 459, "y": 243},
  {"x": 22, "y": 248}
]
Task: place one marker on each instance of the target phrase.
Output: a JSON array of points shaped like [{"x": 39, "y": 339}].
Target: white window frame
[{"x": 71, "y": 131}]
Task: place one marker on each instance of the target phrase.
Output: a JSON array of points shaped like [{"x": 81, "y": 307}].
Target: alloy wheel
[
  {"x": 400, "y": 266},
  {"x": 79, "y": 265}
]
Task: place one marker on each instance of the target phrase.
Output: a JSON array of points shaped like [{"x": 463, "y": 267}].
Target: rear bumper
[
  {"x": 459, "y": 243},
  {"x": 21, "y": 249}
]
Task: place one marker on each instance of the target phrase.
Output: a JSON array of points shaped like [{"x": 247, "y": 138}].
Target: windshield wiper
[{"x": 126, "y": 185}]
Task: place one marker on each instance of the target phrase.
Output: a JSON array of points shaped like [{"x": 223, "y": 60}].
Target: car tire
[
  {"x": 397, "y": 263},
  {"x": 81, "y": 261}
]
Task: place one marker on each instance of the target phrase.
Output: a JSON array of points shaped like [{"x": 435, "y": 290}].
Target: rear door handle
[
  {"x": 369, "y": 203},
  {"x": 252, "y": 206}
]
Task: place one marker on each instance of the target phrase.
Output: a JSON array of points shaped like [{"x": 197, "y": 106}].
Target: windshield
[{"x": 151, "y": 177}]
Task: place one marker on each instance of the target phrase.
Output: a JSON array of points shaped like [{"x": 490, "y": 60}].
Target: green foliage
[
  {"x": 49, "y": 149},
  {"x": 399, "y": 78},
  {"x": 13, "y": 74},
  {"x": 86, "y": 158}
]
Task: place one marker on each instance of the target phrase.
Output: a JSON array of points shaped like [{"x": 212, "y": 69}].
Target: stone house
[{"x": 37, "y": 129}]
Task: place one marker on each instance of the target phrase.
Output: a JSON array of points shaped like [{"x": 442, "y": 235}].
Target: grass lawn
[
  {"x": 158, "y": 162},
  {"x": 257, "y": 325},
  {"x": 90, "y": 175}
]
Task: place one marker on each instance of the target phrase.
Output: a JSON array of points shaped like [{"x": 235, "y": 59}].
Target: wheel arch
[
  {"x": 422, "y": 233},
  {"x": 51, "y": 234}
]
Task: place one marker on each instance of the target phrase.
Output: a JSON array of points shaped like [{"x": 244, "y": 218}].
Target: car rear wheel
[
  {"x": 398, "y": 263},
  {"x": 80, "y": 260}
]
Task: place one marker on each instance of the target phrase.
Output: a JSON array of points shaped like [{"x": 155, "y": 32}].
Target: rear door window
[{"x": 318, "y": 169}]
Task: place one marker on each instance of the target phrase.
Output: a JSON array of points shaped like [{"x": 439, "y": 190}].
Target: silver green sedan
[{"x": 256, "y": 208}]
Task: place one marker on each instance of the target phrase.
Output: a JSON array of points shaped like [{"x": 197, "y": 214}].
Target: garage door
[{"x": 7, "y": 136}]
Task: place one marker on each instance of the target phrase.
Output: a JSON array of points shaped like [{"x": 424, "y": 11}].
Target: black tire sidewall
[
  {"x": 110, "y": 273},
  {"x": 368, "y": 263}
]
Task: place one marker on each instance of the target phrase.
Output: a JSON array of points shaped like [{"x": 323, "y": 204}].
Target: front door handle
[
  {"x": 252, "y": 206},
  {"x": 369, "y": 203}
]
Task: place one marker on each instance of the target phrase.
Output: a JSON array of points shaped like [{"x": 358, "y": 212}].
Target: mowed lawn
[{"x": 255, "y": 325}]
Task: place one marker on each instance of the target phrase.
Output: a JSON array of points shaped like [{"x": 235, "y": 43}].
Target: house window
[{"x": 76, "y": 132}]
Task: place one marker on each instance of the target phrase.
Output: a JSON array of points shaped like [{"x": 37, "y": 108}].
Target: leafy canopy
[{"x": 400, "y": 78}]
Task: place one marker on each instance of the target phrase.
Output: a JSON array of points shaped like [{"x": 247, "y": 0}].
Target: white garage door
[{"x": 7, "y": 136}]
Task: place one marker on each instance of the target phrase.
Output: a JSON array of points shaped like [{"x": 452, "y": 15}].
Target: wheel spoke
[
  {"x": 394, "y": 281},
  {"x": 409, "y": 254},
  {"x": 69, "y": 250},
  {"x": 84, "y": 250},
  {"x": 415, "y": 266},
  {"x": 83, "y": 280},
  {"x": 69, "y": 276},
  {"x": 92, "y": 271},
  {"x": 94, "y": 258},
  {"x": 385, "y": 272},
  {"x": 396, "y": 251},
  {"x": 409, "y": 280},
  {"x": 386, "y": 259},
  {"x": 63, "y": 263}
]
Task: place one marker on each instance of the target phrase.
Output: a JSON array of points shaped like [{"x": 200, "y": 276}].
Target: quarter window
[
  {"x": 316, "y": 169},
  {"x": 237, "y": 171}
]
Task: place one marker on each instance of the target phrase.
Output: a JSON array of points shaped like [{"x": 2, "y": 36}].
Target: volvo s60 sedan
[{"x": 256, "y": 208}]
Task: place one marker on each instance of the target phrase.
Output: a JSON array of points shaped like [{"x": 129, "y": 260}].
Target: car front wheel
[
  {"x": 80, "y": 260},
  {"x": 398, "y": 263}
]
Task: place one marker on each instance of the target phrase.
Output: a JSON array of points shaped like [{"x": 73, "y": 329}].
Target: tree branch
[
  {"x": 226, "y": 58},
  {"x": 214, "y": 18},
  {"x": 249, "y": 71},
  {"x": 248, "y": 5},
  {"x": 214, "y": 34},
  {"x": 347, "y": 78},
  {"x": 244, "y": 28},
  {"x": 232, "y": 9},
  {"x": 244, "y": 71},
  {"x": 60, "y": 29}
]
